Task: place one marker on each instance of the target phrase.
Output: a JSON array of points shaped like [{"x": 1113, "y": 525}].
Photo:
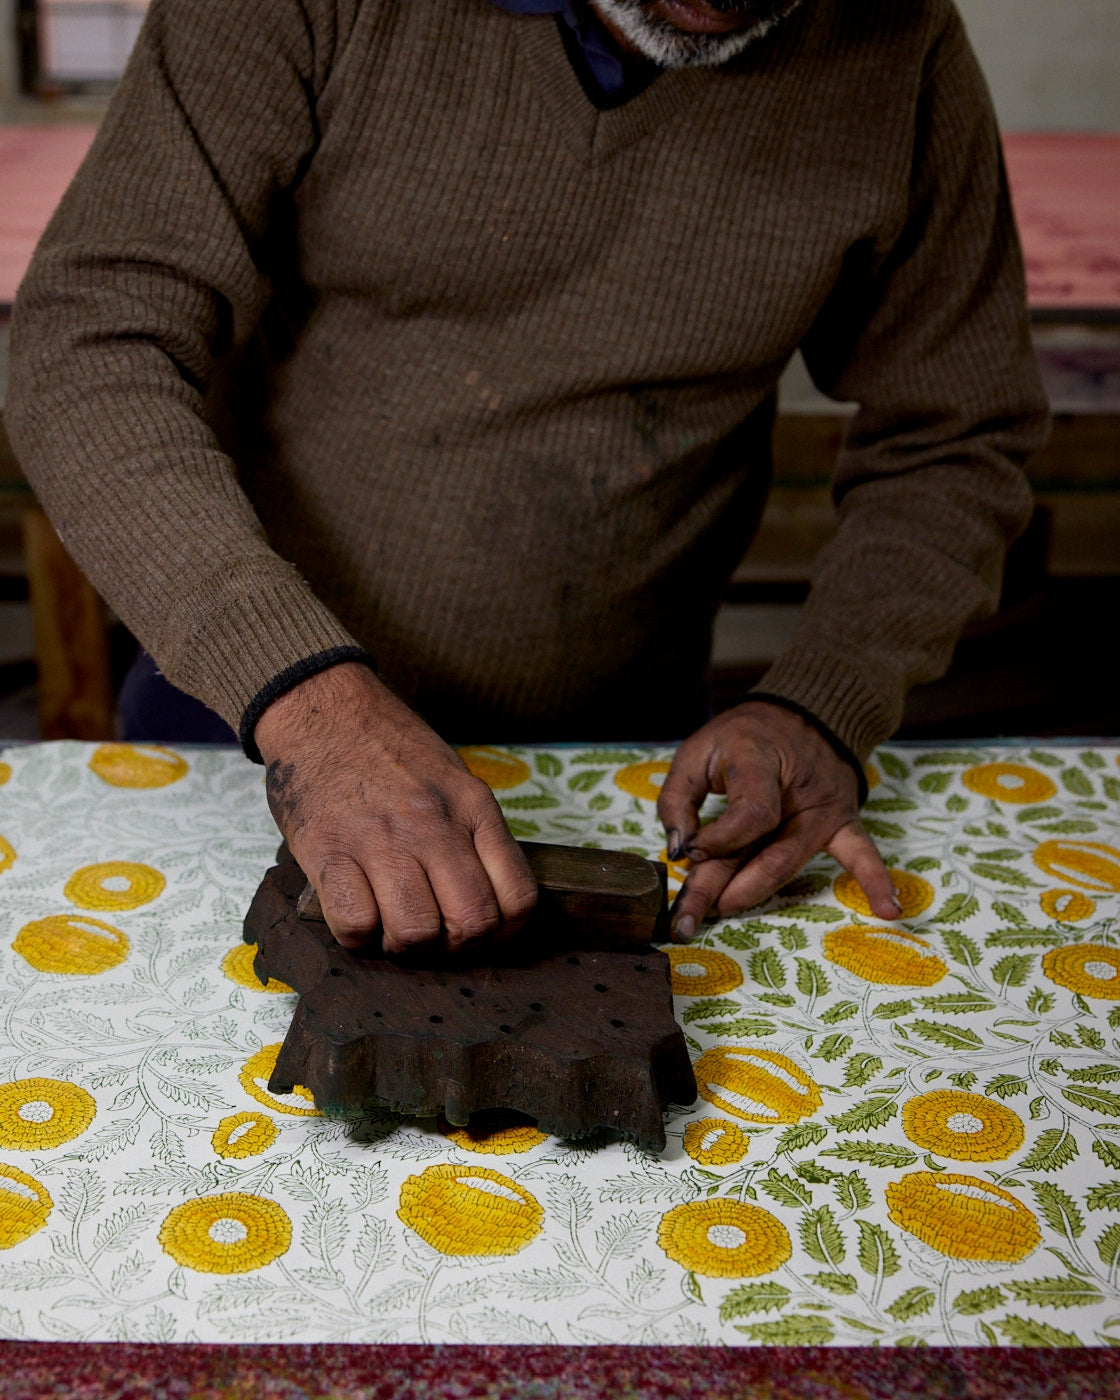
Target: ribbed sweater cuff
[{"x": 837, "y": 695}]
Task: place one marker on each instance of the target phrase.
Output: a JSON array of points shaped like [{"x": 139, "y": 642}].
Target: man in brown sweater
[{"x": 402, "y": 358}]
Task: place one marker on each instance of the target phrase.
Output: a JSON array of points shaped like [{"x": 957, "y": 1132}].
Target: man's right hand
[{"x": 384, "y": 818}]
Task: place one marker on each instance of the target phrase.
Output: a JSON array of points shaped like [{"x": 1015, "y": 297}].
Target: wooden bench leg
[{"x": 71, "y": 641}]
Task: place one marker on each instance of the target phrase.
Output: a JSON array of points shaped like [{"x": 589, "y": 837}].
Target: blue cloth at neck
[{"x": 605, "y": 61}]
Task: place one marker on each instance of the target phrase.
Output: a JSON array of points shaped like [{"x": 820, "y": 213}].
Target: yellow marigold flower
[
  {"x": 966, "y": 1127},
  {"x": 1093, "y": 969},
  {"x": 759, "y": 1086},
  {"x": 502, "y": 1142},
  {"x": 238, "y": 967},
  {"x": 724, "y": 1239},
  {"x": 7, "y": 855},
  {"x": 637, "y": 779},
  {"x": 889, "y": 956},
  {"x": 1009, "y": 782},
  {"x": 5, "y": 773},
  {"x": 1067, "y": 906},
  {"x": 126, "y": 766},
  {"x": 114, "y": 884},
  {"x": 72, "y": 944},
  {"x": 913, "y": 893},
  {"x": 1088, "y": 864},
  {"x": 469, "y": 1210},
  {"x": 714, "y": 1142},
  {"x": 24, "y": 1205},
  {"x": 254, "y": 1077},
  {"x": 702, "y": 972},
  {"x": 873, "y": 776},
  {"x": 40, "y": 1113},
  {"x": 963, "y": 1217},
  {"x": 232, "y": 1233},
  {"x": 244, "y": 1135},
  {"x": 495, "y": 767}
]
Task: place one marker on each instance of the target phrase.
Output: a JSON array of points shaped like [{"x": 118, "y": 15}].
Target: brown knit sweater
[{"x": 360, "y": 324}]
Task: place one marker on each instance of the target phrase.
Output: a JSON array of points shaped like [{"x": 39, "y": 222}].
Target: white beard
[{"x": 664, "y": 44}]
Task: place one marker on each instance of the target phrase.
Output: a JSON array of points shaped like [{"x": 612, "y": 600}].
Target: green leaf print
[
  {"x": 978, "y": 1300},
  {"x": 743, "y": 936},
  {"x": 802, "y": 1135},
  {"x": 836, "y": 1283},
  {"x": 1108, "y": 1152},
  {"x": 1005, "y": 1086},
  {"x": 1106, "y": 1196},
  {"x": 1111, "y": 788},
  {"x": 913, "y": 1303},
  {"x": 529, "y": 801},
  {"x": 588, "y": 779},
  {"x": 1024, "y": 938},
  {"x": 820, "y": 1236},
  {"x": 1098, "y": 1100},
  {"x": 812, "y": 913},
  {"x": 1058, "y": 1209},
  {"x": 952, "y": 1037},
  {"x": 935, "y": 782},
  {"x": 889, "y": 1010},
  {"x": 892, "y": 766},
  {"x": 920, "y": 863},
  {"x": 1026, "y": 1332},
  {"x": 766, "y": 969},
  {"x": 741, "y": 1026},
  {"x": 1048, "y": 760},
  {"x": 961, "y": 948},
  {"x": 1041, "y": 1002},
  {"x": 706, "y": 1007},
  {"x": 877, "y": 1253},
  {"x": 1090, "y": 1037},
  {"x": 548, "y": 765},
  {"x": 1095, "y": 1074},
  {"x": 873, "y": 1154},
  {"x": 956, "y": 909},
  {"x": 958, "y": 1003},
  {"x": 1038, "y": 814},
  {"x": 1070, "y": 827},
  {"x": 890, "y": 804},
  {"x": 1009, "y": 913},
  {"x": 884, "y": 831},
  {"x": 852, "y": 1191},
  {"x": 833, "y": 1047},
  {"x": 753, "y": 1298},
  {"x": 865, "y": 1117},
  {"x": 608, "y": 756},
  {"x": 860, "y": 1070},
  {"x": 798, "y": 1330},
  {"x": 840, "y": 1011},
  {"x": 1013, "y": 970},
  {"x": 1003, "y": 874},
  {"x": 793, "y": 939},
  {"x": 1108, "y": 1245},
  {"x": 1077, "y": 782},
  {"x": 1053, "y": 1149},
  {"x": 521, "y": 829},
  {"x": 786, "y": 1190}
]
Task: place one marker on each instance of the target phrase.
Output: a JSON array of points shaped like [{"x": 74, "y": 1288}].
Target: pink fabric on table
[
  {"x": 1066, "y": 189},
  {"x": 36, "y": 165}
]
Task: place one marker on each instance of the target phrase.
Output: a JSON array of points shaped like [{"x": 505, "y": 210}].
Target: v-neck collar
[{"x": 597, "y": 135}]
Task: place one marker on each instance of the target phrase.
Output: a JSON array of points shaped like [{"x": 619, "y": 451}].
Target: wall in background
[{"x": 1052, "y": 64}]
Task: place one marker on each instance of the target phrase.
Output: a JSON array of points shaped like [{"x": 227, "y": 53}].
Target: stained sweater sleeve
[
  {"x": 930, "y": 337},
  {"x": 149, "y": 271}
]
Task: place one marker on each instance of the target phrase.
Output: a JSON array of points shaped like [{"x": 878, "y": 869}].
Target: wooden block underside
[{"x": 576, "y": 1039}]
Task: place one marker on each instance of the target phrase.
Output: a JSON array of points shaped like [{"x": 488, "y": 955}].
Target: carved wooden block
[{"x": 576, "y": 1038}]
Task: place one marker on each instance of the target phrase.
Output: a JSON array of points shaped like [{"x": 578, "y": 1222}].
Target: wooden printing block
[{"x": 576, "y": 1038}]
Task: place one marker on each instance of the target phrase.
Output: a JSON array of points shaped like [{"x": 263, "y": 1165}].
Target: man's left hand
[{"x": 789, "y": 795}]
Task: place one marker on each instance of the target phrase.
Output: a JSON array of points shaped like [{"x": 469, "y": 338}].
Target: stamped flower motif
[
  {"x": 24, "y": 1206},
  {"x": 913, "y": 893},
  {"x": 238, "y": 967},
  {"x": 965, "y": 1127},
  {"x": 130, "y": 766},
  {"x": 1090, "y": 865},
  {"x": 719, "y": 1238},
  {"x": 637, "y": 779},
  {"x": 702, "y": 972},
  {"x": 72, "y": 944},
  {"x": 232, "y": 1233},
  {"x": 5, "y": 773},
  {"x": 714, "y": 1142},
  {"x": 114, "y": 885},
  {"x": 872, "y": 776},
  {"x": 7, "y": 854},
  {"x": 889, "y": 956},
  {"x": 40, "y": 1113},
  {"x": 758, "y": 1086},
  {"x": 1009, "y": 782},
  {"x": 244, "y": 1135},
  {"x": 495, "y": 767},
  {"x": 254, "y": 1077},
  {"x": 502, "y": 1142},
  {"x": 963, "y": 1217},
  {"x": 469, "y": 1210},
  {"x": 1093, "y": 969},
  {"x": 1067, "y": 906}
]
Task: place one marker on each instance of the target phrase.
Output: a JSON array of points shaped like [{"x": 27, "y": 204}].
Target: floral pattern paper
[{"x": 905, "y": 1135}]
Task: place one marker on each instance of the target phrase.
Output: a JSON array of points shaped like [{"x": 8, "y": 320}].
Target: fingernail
[
  {"x": 695, "y": 853},
  {"x": 674, "y": 847},
  {"x": 896, "y": 904},
  {"x": 684, "y": 930}
]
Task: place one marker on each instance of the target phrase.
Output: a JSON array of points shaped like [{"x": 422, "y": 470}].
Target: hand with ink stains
[
  {"x": 389, "y": 826},
  {"x": 789, "y": 795}
]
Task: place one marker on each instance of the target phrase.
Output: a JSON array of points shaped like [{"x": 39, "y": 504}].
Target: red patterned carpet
[{"x": 42, "y": 1371}]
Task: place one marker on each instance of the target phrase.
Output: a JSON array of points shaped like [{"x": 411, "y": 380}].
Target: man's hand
[
  {"x": 386, "y": 821},
  {"x": 789, "y": 795}
]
